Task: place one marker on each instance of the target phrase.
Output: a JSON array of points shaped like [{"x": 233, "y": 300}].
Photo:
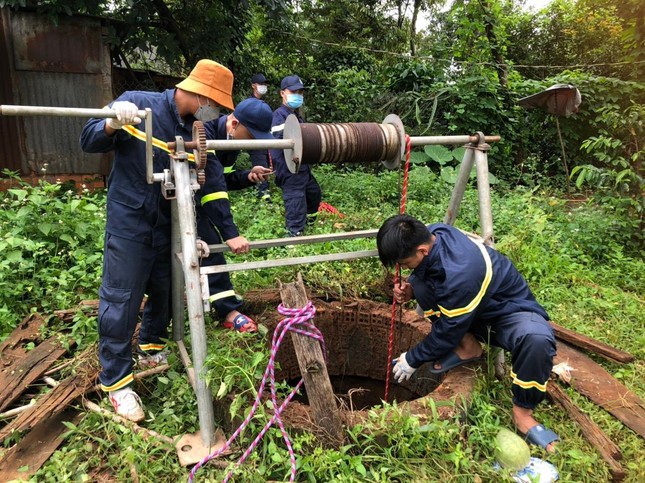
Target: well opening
[
  {"x": 356, "y": 339},
  {"x": 356, "y": 336}
]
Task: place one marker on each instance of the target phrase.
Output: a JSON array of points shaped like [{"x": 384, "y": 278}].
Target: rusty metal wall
[
  {"x": 64, "y": 65},
  {"x": 10, "y": 152}
]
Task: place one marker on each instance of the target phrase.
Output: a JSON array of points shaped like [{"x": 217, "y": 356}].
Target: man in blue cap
[
  {"x": 260, "y": 157},
  {"x": 251, "y": 119},
  {"x": 300, "y": 191}
]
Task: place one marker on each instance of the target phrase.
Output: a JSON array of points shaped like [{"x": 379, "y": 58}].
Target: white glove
[
  {"x": 402, "y": 370},
  {"x": 126, "y": 113}
]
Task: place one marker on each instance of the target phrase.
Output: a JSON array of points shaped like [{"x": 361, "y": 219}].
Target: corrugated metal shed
[
  {"x": 10, "y": 152},
  {"x": 63, "y": 65}
]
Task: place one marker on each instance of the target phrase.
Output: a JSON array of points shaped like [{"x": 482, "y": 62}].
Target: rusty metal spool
[{"x": 364, "y": 143}]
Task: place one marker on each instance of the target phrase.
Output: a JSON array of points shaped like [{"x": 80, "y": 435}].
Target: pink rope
[{"x": 296, "y": 322}]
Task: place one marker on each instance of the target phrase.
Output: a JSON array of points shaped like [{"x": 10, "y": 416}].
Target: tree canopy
[{"x": 443, "y": 66}]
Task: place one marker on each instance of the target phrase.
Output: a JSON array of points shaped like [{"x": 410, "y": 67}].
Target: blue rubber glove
[{"x": 402, "y": 370}]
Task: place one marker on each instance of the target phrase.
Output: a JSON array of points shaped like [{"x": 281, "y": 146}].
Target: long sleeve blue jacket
[
  {"x": 137, "y": 210},
  {"x": 235, "y": 179},
  {"x": 277, "y": 155},
  {"x": 459, "y": 284}
]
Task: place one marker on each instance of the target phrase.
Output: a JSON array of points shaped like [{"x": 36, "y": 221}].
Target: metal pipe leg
[
  {"x": 465, "y": 169},
  {"x": 483, "y": 190},
  {"x": 178, "y": 305},
  {"x": 187, "y": 226}
]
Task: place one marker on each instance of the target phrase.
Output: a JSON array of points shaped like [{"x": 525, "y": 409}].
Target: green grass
[{"x": 575, "y": 258}]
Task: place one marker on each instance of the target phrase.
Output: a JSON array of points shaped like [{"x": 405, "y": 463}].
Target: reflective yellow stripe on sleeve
[
  {"x": 482, "y": 291},
  {"x": 218, "y": 195},
  {"x": 430, "y": 313}
]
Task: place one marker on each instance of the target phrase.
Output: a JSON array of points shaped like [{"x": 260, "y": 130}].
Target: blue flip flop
[
  {"x": 541, "y": 436},
  {"x": 451, "y": 361}
]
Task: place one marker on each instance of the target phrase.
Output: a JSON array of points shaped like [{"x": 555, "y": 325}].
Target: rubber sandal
[
  {"x": 241, "y": 323},
  {"x": 451, "y": 361},
  {"x": 541, "y": 436}
]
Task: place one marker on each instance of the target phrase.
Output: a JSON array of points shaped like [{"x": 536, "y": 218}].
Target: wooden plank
[
  {"x": 314, "y": 372},
  {"x": 18, "y": 376},
  {"x": 36, "y": 447},
  {"x": 12, "y": 348},
  {"x": 593, "y": 381},
  {"x": 57, "y": 399},
  {"x": 607, "y": 449},
  {"x": 89, "y": 307},
  {"x": 592, "y": 345}
]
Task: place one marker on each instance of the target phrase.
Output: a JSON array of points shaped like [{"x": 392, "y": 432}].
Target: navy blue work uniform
[
  {"x": 137, "y": 242},
  {"x": 300, "y": 191},
  {"x": 260, "y": 157},
  {"x": 221, "y": 292},
  {"x": 463, "y": 286}
]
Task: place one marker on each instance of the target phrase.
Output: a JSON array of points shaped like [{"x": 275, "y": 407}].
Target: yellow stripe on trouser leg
[
  {"x": 218, "y": 195},
  {"x": 120, "y": 384},
  {"x": 221, "y": 295},
  {"x": 528, "y": 384},
  {"x": 152, "y": 347}
]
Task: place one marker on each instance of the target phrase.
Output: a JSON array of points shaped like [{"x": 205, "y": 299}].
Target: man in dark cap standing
[
  {"x": 260, "y": 157},
  {"x": 259, "y": 85},
  {"x": 300, "y": 191}
]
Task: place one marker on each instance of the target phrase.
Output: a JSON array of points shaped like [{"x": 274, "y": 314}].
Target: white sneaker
[
  {"x": 153, "y": 360},
  {"x": 126, "y": 403}
]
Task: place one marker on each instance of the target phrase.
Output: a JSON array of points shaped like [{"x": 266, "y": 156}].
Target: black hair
[{"x": 399, "y": 237}]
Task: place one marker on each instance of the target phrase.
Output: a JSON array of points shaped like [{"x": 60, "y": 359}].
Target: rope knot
[{"x": 305, "y": 313}]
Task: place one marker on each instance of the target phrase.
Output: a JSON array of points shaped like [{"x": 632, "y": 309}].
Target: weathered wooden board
[
  {"x": 15, "y": 378},
  {"x": 12, "y": 348},
  {"x": 36, "y": 447},
  {"x": 593, "y": 381},
  {"x": 56, "y": 400},
  {"x": 609, "y": 451},
  {"x": 314, "y": 371},
  {"x": 592, "y": 345}
]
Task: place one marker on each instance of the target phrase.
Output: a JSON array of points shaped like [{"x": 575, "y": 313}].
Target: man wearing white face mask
[
  {"x": 137, "y": 240},
  {"x": 300, "y": 191},
  {"x": 259, "y": 86},
  {"x": 259, "y": 157}
]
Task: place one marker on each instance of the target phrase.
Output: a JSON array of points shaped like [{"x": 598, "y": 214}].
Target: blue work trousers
[
  {"x": 301, "y": 194},
  {"x": 530, "y": 340},
  {"x": 220, "y": 289},
  {"x": 131, "y": 270}
]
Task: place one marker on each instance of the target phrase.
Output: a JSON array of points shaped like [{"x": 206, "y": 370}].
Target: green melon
[{"x": 511, "y": 451}]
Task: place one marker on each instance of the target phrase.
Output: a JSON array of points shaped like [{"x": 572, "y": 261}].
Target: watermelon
[{"x": 511, "y": 451}]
